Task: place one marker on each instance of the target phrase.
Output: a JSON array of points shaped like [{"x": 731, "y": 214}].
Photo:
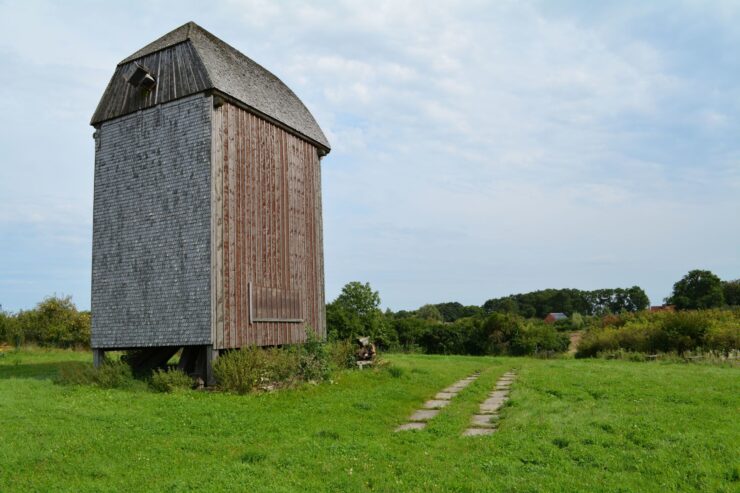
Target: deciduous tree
[{"x": 697, "y": 289}]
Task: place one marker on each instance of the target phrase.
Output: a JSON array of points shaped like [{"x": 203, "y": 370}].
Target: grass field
[{"x": 570, "y": 425}]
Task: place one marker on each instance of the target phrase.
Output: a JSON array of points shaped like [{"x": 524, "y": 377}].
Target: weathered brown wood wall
[
  {"x": 267, "y": 248},
  {"x": 178, "y": 72}
]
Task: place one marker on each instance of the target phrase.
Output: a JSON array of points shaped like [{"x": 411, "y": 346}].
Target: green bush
[
  {"x": 8, "y": 329},
  {"x": 681, "y": 331},
  {"x": 110, "y": 375},
  {"x": 536, "y": 337},
  {"x": 250, "y": 368},
  {"x": 342, "y": 354},
  {"x": 313, "y": 359},
  {"x": 53, "y": 322},
  {"x": 170, "y": 380},
  {"x": 665, "y": 332},
  {"x": 441, "y": 338},
  {"x": 723, "y": 338}
]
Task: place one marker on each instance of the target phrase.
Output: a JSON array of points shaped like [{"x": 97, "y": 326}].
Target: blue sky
[{"x": 479, "y": 148}]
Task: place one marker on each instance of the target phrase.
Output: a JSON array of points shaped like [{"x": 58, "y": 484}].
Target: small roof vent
[{"x": 142, "y": 78}]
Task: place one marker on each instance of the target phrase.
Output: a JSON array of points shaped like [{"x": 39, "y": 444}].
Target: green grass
[{"x": 570, "y": 425}]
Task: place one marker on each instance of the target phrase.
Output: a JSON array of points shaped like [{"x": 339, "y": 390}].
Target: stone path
[
  {"x": 418, "y": 420},
  {"x": 484, "y": 423}
]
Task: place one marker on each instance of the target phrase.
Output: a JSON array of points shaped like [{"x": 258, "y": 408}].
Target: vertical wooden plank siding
[
  {"x": 217, "y": 230},
  {"x": 267, "y": 235}
]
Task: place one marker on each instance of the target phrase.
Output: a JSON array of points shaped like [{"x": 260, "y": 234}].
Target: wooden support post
[
  {"x": 98, "y": 357},
  {"x": 211, "y": 357}
]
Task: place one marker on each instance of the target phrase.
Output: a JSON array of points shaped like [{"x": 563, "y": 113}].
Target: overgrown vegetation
[
  {"x": 513, "y": 325},
  {"x": 170, "y": 380},
  {"x": 110, "y": 375},
  {"x": 434, "y": 329},
  {"x": 645, "y": 332},
  {"x": 53, "y": 322},
  {"x": 253, "y": 368}
]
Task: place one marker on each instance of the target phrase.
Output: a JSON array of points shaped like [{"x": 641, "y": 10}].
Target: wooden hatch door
[{"x": 274, "y": 305}]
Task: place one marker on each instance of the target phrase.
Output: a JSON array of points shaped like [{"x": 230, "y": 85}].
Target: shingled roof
[{"x": 189, "y": 60}]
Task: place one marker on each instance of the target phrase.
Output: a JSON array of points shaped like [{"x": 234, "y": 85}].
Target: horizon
[{"x": 478, "y": 150}]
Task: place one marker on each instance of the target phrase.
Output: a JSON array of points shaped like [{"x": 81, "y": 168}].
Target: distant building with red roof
[{"x": 555, "y": 317}]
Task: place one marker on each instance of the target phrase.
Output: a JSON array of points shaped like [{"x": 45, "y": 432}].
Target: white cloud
[{"x": 479, "y": 148}]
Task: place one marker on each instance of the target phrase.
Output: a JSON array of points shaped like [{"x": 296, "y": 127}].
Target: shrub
[
  {"x": 537, "y": 337},
  {"x": 500, "y": 330},
  {"x": 250, "y": 367},
  {"x": 110, "y": 375},
  {"x": 53, "y": 322},
  {"x": 665, "y": 332},
  {"x": 342, "y": 354},
  {"x": 577, "y": 321},
  {"x": 682, "y": 331},
  {"x": 443, "y": 339},
  {"x": 114, "y": 375},
  {"x": 170, "y": 380},
  {"x": 724, "y": 338},
  {"x": 5, "y": 329},
  {"x": 314, "y": 359}
]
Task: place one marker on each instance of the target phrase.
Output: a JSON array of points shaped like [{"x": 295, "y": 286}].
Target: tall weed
[
  {"x": 110, "y": 375},
  {"x": 170, "y": 380}
]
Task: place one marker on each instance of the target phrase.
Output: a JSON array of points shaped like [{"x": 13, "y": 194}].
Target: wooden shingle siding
[
  {"x": 268, "y": 263},
  {"x": 151, "y": 262}
]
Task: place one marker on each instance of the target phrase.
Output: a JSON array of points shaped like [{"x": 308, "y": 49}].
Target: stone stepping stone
[
  {"x": 418, "y": 420},
  {"x": 454, "y": 389},
  {"x": 424, "y": 415},
  {"x": 436, "y": 403},
  {"x": 411, "y": 426},
  {"x": 482, "y": 420},
  {"x": 473, "y": 432},
  {"x": 495, "y": 400},
  {"x": 481, "y": 423},
  {"x": 490, "y": 408},
  {"x": 460, "y": 384}
]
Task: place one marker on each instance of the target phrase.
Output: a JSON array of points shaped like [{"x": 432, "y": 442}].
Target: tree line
[
  {"x": 512, "y": 324},
  {"x": 570, "y": 301},
  {"x": 508, "y": 325}
]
